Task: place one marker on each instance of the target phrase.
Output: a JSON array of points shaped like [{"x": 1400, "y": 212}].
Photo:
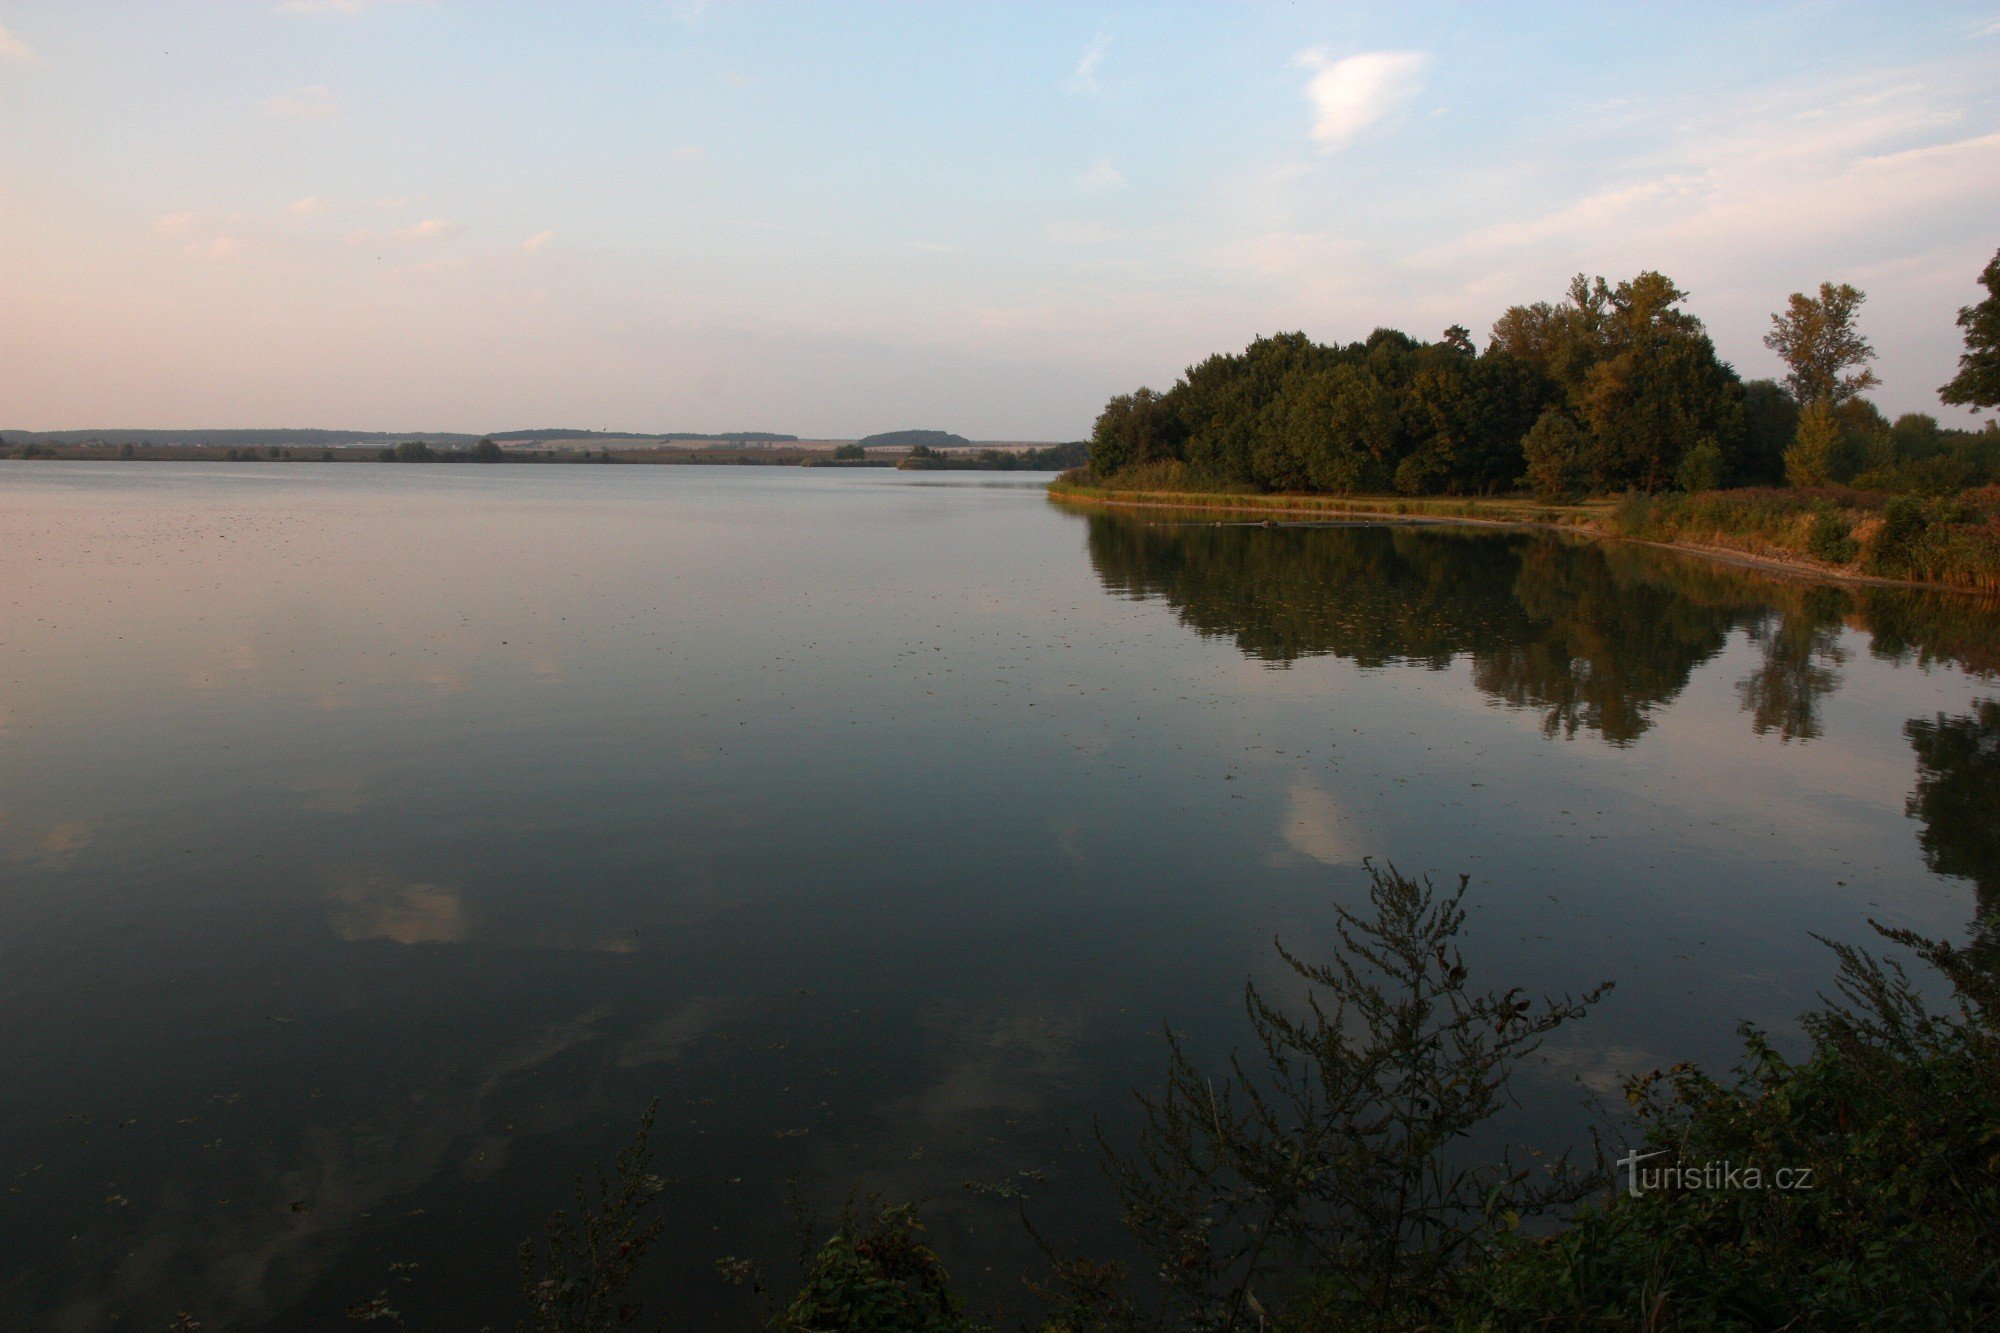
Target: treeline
[
  {"x": 1612, "y": 388},
  {"x": 1053, "y": 458}
]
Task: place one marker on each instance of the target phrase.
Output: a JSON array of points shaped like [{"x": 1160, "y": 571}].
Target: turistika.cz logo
[{"x": 1711, "y": 1176}]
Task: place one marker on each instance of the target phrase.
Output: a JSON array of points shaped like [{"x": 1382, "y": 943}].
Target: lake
[{"x": 376, "y": 843}]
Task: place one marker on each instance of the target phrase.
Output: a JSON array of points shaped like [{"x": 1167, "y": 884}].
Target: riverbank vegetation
[
  {"x": 1329, "y": 1182},
  {"x": 1616, "y": 389}
]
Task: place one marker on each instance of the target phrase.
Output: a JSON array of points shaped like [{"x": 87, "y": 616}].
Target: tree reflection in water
[{"x": 1958, "y": 800}]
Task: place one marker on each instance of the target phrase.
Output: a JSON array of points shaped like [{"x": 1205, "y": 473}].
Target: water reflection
[
  {"x": 1958, "y": 800},
  {"x": 1594, "y": 638}
]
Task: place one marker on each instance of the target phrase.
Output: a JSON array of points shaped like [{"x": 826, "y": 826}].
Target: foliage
[
  {"x": 579, "y": 1282},
  {"x": 1817, "y": 339},
  {"x": 851, "y": 452},
  {"x": 1341, "y": 1156},
  {"x": 1819, "y": 455},
  {"x": 1554, "y": 455},
  {"x": 1894, "y": 1117},
  {"x": 875, "y": 1275},
  {"x": 486, "y": 451},
  {"x": 1634, "y": 377},
  {"x": 1701, "y": 468},
  {"x": 1977, "y": 383}
]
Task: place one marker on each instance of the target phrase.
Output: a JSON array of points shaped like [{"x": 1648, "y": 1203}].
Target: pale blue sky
[{"x": 831, "y": 219}]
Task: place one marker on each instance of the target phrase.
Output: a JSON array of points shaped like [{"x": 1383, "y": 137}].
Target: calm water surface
[{"x": 375, "y": 843}]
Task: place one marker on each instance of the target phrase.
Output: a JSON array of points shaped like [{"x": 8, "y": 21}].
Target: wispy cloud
[
  {"x": 1101, "y": 176},
  {"x": 1084, "y": 79},
  {"x": 690, "y": 153},
  {"x": 172, "y": 224},
  {"x": 1753, "y": 176},
  {"x": 428, "y": 228},
  {"x": 1350, "y": 95},
  {"x": 12, "y": 47},
  {"x": 306, "y": 207},
  {"x": 222, "y": 247},
  {"x": 538, "y": 240},
  {"x": 309, "y": 103}
]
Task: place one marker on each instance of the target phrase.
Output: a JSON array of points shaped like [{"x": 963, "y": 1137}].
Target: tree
[
  {"x": 1554, "y": 454},
  {"x": 849, "y": 453},
  {"x": 1771, "y": 421},
  {"x": 486, "y": 452},
  {"x": 1816, "y": 338},
  {"x": 1136, "y": 428},
  {"x": 1818, "y": 456},
  {"x": 1977, "y": 383},
  {"x": 413, "y": 451}
]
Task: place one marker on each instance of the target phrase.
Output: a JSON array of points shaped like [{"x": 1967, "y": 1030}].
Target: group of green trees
[{"x": 1615, "y": 387}]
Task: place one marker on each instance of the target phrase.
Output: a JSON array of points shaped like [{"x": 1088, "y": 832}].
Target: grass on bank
[{"x": 1945, "y": 540}]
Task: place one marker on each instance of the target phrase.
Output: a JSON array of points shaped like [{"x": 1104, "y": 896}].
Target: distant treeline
[
  {"x": 487, "y": 449},
  {"x": 1054, "y": 458},
  {"x": 1612, "y": 388},
  {"x": 264, "y": 439}
]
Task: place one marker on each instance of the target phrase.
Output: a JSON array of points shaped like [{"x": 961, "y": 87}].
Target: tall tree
[
  {"x": 1816, "y": 337},
  {"x": 1977, "y": 383}
]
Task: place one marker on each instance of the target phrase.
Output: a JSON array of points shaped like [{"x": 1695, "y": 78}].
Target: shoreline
[{"x": 1583, "y": 519}]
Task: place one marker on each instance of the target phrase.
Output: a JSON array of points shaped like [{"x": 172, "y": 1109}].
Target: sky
[{"x": 833, "y": 219}]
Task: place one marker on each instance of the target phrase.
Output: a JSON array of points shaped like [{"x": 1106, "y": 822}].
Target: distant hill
[{"x": 910, "y": 439}]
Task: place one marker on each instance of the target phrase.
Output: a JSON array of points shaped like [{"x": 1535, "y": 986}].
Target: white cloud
[
  {"x": 1084, "y": 79},
  {"x": 428, "y": 228},
  {"x": 171, "y": 224},
  {"x": 307, "y": 206},
  {"x": 1101, "y": 176},
  {"x": 222, "y": 247},
  {"x": 304, "y": 103},
  {"x": 538, "y": 240},
  {"x": 1350, "y": 95},
  {"x": 690, "y": 153},
  {"x": 12, "y": 47}
]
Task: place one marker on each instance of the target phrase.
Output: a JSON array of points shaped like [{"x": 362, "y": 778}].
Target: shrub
[
  {"x": 1831, "y": 537},
  {"x": 1340, "y": 1157},
  {"x": 875, "y": 1275},
  {"x": 1894, "y": 1112}
]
